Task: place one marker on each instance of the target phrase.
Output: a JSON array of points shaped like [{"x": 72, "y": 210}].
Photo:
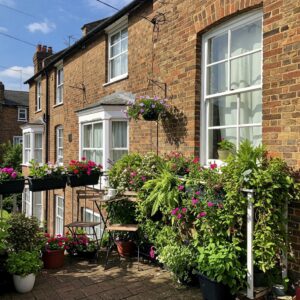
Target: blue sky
[{"x": 47, "y": 22}]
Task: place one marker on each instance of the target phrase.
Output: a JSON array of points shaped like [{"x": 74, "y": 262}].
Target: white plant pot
[{"x": 24, "y": 284}]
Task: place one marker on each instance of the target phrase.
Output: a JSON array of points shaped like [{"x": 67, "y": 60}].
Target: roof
[
  {"x": 92, "y": 25},
  {"x": 16, "y": 98},
  {"x": 115, "y": 99},
  {"x": 90, "y": 35}
]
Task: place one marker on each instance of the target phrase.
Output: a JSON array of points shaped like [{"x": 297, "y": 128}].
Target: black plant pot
[
  {"x": 12, "y": 186},
  {"x": 82, "y": 180},
  {"x": 151, "y": 115},
  {"x": 212, "y": 290},
  {"x": 47, "y": 183}
]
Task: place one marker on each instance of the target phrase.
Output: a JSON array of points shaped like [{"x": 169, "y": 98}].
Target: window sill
[
  {"x": 59, "y": 104},
  {"x": 123, "y": 77},
  {"x": 22, "y": 120},
  {"x": 37, "y": 111}
]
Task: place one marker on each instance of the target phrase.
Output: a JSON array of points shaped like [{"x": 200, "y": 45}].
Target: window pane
[
  {"x": 124, "y": 63},
  {"x": 246, "y": 38},
  {"x": 88, "y": 154},
  {"x": 98, "y": 157},
  {"x": 38, "y": 206},
  {"x": 253, "y": 134},
  {"x": 124, "y": 45},
  {"x": 98, "y": 135},
  {"x": 27, "y": 140},
  {"x": 115, "y": 50},
  {"x": 246, "y": 71},
  {"x": 222, "y": 111},
  {"x": 116, "y": 67},
  {"x": 215, "y": 136},
  {"x": 38, "y": 141},
  {"x": 117, "y": 154},
  {"x": 251, "y": 107},
  {"x": 115, "y": 38},
  {"x": 218, "y": 48},
  {"x": 119, "y": 134},
  {"x": 217, "y": 78},
  {"x": 87, "y": 136},
  {"x": 124, "y": 33}
]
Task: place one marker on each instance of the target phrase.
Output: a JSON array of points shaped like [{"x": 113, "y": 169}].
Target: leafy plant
[
  {"x": 3, "y": 232},
  {"x": 55, "y": 243},
  {"x": 37, "y": 170},
  {"x": 23, "y": 263},
  {"x": 226, "y": 145},
  {"x": 9, "y": 174},
  {"x": 24, "y": 233},
  {"x": 11, "y": 156}
]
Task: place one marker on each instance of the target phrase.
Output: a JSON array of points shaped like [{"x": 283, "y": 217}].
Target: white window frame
[
  {"x": 38, "y": 103},
  {"x": 17, "y": 140},
  {"x": 98, "y": 229},
  {"x": 228, "y": 27},
  {"x": 22, "y": 110},
  {"x": 59, "y": 135},
  {"x": 111, "y": 32},
  {"x": 40, "y": 149},
  {"x": 111, "y": 133},
  {"x": 31, "y": 130},
  {"x": 59, "y": 85},
  {"x": 28, "y": 201},
  {"x": 58, "y": 217},
  {"x": 26, "y": 149}
]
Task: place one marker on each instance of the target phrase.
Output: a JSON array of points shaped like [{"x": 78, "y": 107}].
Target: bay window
[
  {"x": 232, "y": 84},
  {"x": 38, "y": 147},
  {"x": 32, "y": 205},
  {"x": 27, "y": 148}
]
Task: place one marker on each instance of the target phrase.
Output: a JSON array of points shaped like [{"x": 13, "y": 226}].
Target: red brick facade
[{"x": 172, "y": 54}]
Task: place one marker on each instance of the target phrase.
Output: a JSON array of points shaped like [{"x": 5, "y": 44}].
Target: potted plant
[
  {"x": 146, "y": 107},
  {"x": 44, "y": 177},
  {"x": 53, "y": 252},
  {"x": 11, "y": 181},
  {"x": 125, "y": 244},
  {"x": 225, "y": 147},
  {"x": 83, "y": 172},
  {"x": 23, "y": 265}
]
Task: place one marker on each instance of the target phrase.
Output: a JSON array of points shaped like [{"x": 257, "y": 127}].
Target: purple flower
[
  {"x": 210, "y": 204},
  {"x": 180, "y": 187},
  {"x": 174, "y": 211},
  {"x": 201, "y": 215},
  {"x": 142, "y": 104},
  {"x": 184, "y": 210},
  {"x": 153, "y": 105},
  {"x": 13, "y": 175},
  {"x": 142, "y": 110},
  {"x": 195, "y": 201}
]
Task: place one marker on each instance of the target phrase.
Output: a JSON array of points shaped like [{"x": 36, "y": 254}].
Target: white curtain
[
  {"x": 119, "y": 139},
  {"x": 38, "y": 206},
  {"x": 38, "y": 144}
]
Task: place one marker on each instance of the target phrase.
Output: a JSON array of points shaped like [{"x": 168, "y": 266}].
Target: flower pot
[
  {"x": 47, "y": 183},
  {"x": 125, "y": 248},
  {"x": 12, "y": 186},
  {"x": 53, "y": 259},
  {"x": 82, "y": 180},
  {"x": 24, "y": 284},
  {"x": 223, "y": 154},
  {"x": 212, "y": 290},
  {"x": 151, "y": 115}
]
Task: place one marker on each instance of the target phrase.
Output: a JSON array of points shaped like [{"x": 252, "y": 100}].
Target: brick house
[
  {"x": 229, "y": 68},
  {"x": 13, "y": 113}
]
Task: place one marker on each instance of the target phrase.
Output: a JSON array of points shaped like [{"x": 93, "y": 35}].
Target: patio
[{"x": 83, "y": 280}]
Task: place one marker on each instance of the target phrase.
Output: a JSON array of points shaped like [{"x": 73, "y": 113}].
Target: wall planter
[
  {"x": 12, "y": 186},
  {"x": 82, "y": 180},
  {"x": 125, "y": 248},
  {"x": 213, "y": 290},
  {"x": 53, "y": 259},
  {"x": 47, "y": 183},
  {"x": 24, "y": 284}
]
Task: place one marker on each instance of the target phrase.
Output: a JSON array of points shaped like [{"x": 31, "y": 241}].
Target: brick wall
[{"x": 172, "y": 54}]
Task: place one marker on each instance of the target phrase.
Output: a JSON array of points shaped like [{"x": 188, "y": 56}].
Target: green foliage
[
  {"x": 24, "y": 233},
  {"x": 179, "y": 259},
  {"x": 221, "y": 261},
  {"x": 11, "y": 156},
  {"x": 3, "y": 231},
  {"x": 122, "y": 212},
  {"x": 167, "y": 235},
  {"x": 23, "y": 263},
  {"x": 226, "y": 145},
  {"x": 37, "y": 170}
]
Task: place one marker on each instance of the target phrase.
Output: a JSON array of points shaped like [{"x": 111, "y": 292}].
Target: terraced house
[{"x": 230, "y": 69}]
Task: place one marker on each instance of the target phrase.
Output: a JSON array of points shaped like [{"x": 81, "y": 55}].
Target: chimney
[
  {"x": 40, "y": 54},
  {"x": 1, "y": 93}
]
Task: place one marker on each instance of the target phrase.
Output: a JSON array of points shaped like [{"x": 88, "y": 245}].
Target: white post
[
  {"x": 250, "y": 222},
  {"x": 284, "y": 257}
]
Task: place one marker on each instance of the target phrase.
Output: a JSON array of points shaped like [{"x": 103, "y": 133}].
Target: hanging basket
[
  {"x": 151, "y": 115},
  {"x": 12, "y": 186},
  {"x": 47, "y": 183},
  {"x": 82, "y": 180}
]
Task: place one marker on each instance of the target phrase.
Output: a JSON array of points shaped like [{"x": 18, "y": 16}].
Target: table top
[
  {"x": 123, "y": 227},
  {"x": 83, "y": 224}
]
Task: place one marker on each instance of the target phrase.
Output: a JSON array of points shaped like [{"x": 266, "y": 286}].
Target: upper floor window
[
  {"x": 33, "y": 144},
  {"x": 18, "y": 140},
  {"x": 232, "y": 84},
  {"x": 38, "y": 147},
  {"x": 59, "y": 85},
  {"x": 22, "y": 114},
  {"x": 59, "y": 145},
  {"x": 26, "y": 148},
  {"x": 38, "y": 103},
  {"x": 118, "y": 54},
  {"x": 119, "y": 143}
]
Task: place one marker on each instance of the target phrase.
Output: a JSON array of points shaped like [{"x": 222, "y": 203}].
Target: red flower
[{"x": 76, "y": 171}]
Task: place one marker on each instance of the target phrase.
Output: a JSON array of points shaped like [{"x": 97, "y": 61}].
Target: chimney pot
[
  {"x": 38, "y": 48},
  {"x": 50, "y": 50},
  {"x": 44, "y": 48},
  {"x": 38, "y": 57}
]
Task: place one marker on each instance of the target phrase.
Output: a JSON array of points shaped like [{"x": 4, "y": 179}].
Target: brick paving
[{"x": 85, "y": 280}]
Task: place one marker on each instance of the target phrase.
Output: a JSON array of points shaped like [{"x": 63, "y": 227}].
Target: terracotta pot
[
  {"x": 125, "y": 248},
  {"x": 53, "y": 259}
]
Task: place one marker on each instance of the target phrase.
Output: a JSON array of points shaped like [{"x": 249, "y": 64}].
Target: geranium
[
  {"x": 80, "y": 243},
  {"x": 9, "y": 174},
  {"x": 210, "y": 204},
  {"x": 55, "y": 243},
  {"x": 83, "y": 166}
]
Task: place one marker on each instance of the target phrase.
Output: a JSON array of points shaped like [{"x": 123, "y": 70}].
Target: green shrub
[{"x": 11, "y": 156}]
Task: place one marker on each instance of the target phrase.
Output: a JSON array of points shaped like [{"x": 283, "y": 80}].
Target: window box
[
  {"x": 47, "y": 183},
  {"x": 12, "y": 186},
  {"x": 82, "y": 180}
]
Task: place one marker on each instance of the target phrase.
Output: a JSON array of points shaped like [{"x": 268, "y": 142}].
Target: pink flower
[
  {"x": 198, "y": 193},
  {"x": 201, "y": 215},
  {"x": 213, "y": 166},
  {"x": 143, "y": 178},
  {"x": 14, "y": 175},
  {"x": 210, "y": 204},
  {"x": 184, "y": 210},
  {"x": 196, "y": 160},
  {"x": 179, "y": 216},
  {"x": 133, "y": 174},
  {"x": 131, "y": 182},
  {"x": 180, "y": 187},
  {"x": 195, "y": 201},
  {"x": 152, "y": 252},
  {"x": 83, "y": 158},
  {"x": 220, "y": 205},
  {"x": 174, "y": 211}
]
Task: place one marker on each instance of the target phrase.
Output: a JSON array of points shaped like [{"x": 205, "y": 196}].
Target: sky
[{"x": 48, "y": 22}]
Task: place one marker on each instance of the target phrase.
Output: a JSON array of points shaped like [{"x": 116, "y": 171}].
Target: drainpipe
[{"x": 46, "y": 119}]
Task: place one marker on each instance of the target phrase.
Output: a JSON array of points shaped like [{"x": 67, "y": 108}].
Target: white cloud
[
  {"x": 44, "y": 27},
  {"x": 8, "y": 2},
  {"x": 3, "y": 29}
]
